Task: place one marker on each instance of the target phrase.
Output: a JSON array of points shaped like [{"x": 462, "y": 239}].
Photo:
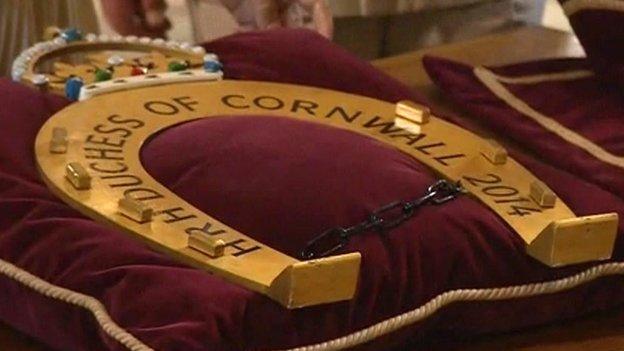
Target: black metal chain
[{"x": 384, "y": 219}]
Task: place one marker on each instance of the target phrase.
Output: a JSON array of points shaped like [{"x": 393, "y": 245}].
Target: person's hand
[
  {"x": 137, "y": 17},
  {"x": 265, "y": 14}
]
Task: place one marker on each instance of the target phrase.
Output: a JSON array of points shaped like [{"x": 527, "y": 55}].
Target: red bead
[{"x": 137, "y": 71}]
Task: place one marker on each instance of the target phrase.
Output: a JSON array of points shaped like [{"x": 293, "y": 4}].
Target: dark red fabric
[
  {"x": 280, "y": 181},
  {"x": 302, "y": 57},
  {"x": 589, "y": 106}
]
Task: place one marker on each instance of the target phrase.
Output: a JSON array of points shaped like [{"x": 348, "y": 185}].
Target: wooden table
[
  {"x": 518, "y": 45},
  {"x": 600, "y": 332}
]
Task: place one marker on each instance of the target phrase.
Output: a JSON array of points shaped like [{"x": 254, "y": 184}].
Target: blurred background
[
  {"x": 379, "y": 28},
  {"x": 371, "y": 29}
]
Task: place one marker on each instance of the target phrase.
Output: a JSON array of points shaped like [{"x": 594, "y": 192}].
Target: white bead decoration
[
  {"x": 149, "y": 80},
  {"x": 40, "y": 79},
  {"x": 198, "y": 50},
  {"x": 172, "y": 44},
  {"x": 21, "y": 65},
  {"x": 23, "y": 61},
  {"x": 17, "y": 73},
  {"x": 211, "y": 57},
  {"x": 59, "y": 41},
  {"x": 23, "y": 57},
  {"x": 38, "y": 48},
  {"x": 115, "y": 60}
]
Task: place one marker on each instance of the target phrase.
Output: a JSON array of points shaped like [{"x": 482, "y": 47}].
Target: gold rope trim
[
  {"x": 362, "y": 336},
  {"x": 573, "y": 6},
  {"x": 465, "y": 295},
  {"x": 71, "y": 297},
  {"x": 490, "y": 80}
]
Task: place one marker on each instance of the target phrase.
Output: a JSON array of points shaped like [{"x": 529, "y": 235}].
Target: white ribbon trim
[
  {"x": 573, "y": 6},
  {"x": 541, "y": 78}
]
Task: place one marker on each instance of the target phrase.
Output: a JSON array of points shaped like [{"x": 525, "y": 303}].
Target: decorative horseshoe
[{"x": 104, "y": 135}]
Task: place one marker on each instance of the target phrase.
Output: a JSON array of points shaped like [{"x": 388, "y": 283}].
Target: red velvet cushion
[{"x": 281, "y": 181}]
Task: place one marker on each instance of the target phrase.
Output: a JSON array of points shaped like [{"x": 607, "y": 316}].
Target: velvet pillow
[{"x": 455, "y": 269}]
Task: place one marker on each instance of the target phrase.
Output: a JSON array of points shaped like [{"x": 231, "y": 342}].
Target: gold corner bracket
[
  {"x": 318, "y": 281},
  {"x": 576, "y": 240}
]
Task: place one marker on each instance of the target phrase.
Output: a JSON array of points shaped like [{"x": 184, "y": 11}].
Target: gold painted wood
[
  {"x": 58, "y": 143},
  {"x": 135, "y": 209},
  {"x": 413, "y": 112},
  {"x": 207, "y": 245},
  {"x": 494, "y": 152},
  {"x": 106, "y": 132},
  {"x": 542, "y": 195},
  {"x": 406, "y": 124},
  {"x": 576, "y": 240},
  {"x": 77, "y": 176}
]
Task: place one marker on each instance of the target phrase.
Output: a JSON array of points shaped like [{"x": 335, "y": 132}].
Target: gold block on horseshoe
[
  {"x": 408, "y": 125},
  {"x": 542, "y": 194},
  {"x": 206, "y": 245},
  {"x": 299, "y": 283},
  {"x": 78, "y": 176},
  {"x": 576, "y": 240},
  {"x": 494, "y": 152},
  {"x": 413, "y": 112},
  {"x": 58, "y": 143},
  {"x": 135, "y": 209}
]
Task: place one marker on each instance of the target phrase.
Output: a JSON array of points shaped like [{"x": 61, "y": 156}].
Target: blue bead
[
  {"x": 72, "y": 88},
  {"x": 212, "y": 66},
  {"x": 71, "y": 34}
]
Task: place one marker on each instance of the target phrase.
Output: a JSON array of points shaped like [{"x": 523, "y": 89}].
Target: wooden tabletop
[
  {"x": 518, "y": 45},
  {"x": 599, "y": 332}
]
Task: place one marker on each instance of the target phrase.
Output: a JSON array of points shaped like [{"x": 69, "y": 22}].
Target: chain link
[{"x": 381, "y": 221}]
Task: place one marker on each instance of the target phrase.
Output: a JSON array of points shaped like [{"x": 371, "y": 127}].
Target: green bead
[
  {"x": 102, "y": 75},
  {"x": 176, "y": 66}
]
